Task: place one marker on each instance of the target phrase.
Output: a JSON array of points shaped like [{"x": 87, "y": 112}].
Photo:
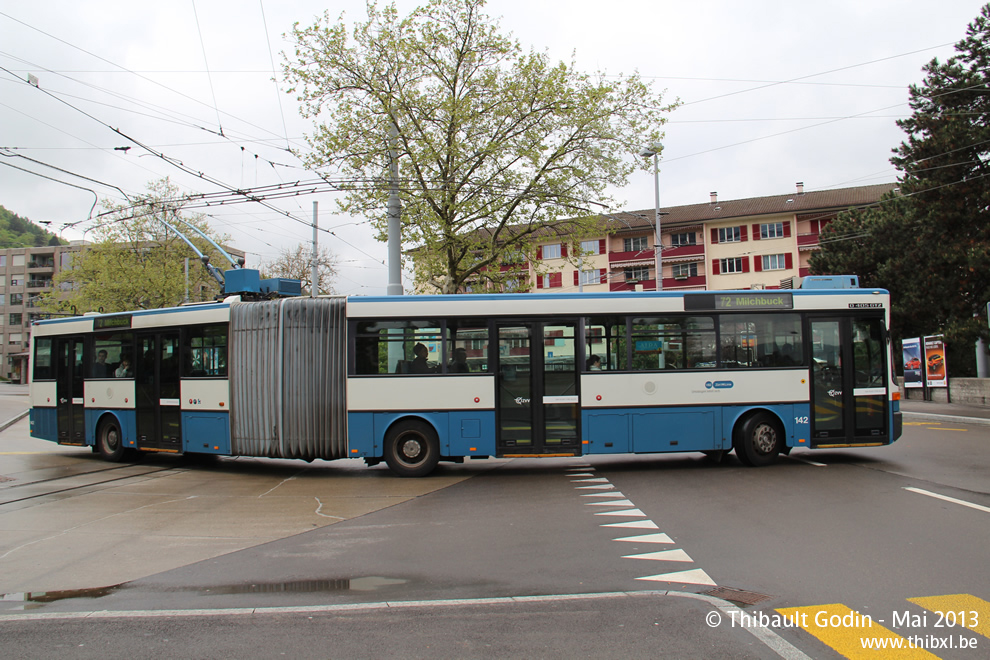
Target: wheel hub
[{"x": 412, "y": 449}]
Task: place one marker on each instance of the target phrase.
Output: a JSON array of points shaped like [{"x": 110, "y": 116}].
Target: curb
[
  {"x": 956, "y": 419},
  {"x": 13, "y": 420}
]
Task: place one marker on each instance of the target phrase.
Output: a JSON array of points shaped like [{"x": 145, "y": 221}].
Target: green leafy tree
[
  {"x": 297, "y": 264},
  {"x": 135, "y": 261},
  {"x": 931, "y": 246},
  {"x": 496, "y": 147}
]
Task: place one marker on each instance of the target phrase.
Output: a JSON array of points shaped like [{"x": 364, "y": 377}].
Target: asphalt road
[{"x": 618, "y": 557}]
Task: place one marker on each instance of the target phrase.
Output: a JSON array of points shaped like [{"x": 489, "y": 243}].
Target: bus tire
[
  {"x": 110, "y": 441},
  {"x": 758, "y": 440},
  {"x": 412, "y": 448}
]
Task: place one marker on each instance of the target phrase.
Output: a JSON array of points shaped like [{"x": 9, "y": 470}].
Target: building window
[
  {"x": 551, "y": 251},
  {"x": 774, "y": 261},
  {"x": 637, "y": 274},
  {"x": 551, "y": 281},
  {"x": 678, "y": 240},
  {"x": 15, "y": 319},
  {"x": 17, "y": 299},
  {"x": 684, "y": 271},
  {"x": 733, "y": 265},
  {"x": 17, "y": 281},
  {"x": 17, "y": 260},
  {"x": 772, "y": 230},
  {"x": 14, "y": 339},
  {"x": 635, "y": 244},
  {"x": 3, "y": 260},
  {"x": 591, "y": 247},
  {"x": 591, "y": 276},
  {"x": 729, "y": 235}
]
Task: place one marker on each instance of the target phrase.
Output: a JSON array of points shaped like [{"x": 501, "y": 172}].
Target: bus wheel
[
  {"x": 757, "y": 440},
  {"x": 110, "y": 441},
  {"x": 412, "y": 449}
]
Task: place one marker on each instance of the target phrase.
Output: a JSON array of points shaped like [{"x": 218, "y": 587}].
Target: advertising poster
[
  {"x": 911, "y": 350},
  {"x": 937, "y": 374}
]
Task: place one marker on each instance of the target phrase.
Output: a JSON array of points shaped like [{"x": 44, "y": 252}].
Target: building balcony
[
  {"x": 807, "y": 241},
  {"x": 39, "y": 284},
  {"x": 696, "y": 282},
  {"x": 683, "y": 252},
  {"x": 41, "y": 264},
  {"x": 630, "y": 285},
  {"x": 634, "y": 257}
]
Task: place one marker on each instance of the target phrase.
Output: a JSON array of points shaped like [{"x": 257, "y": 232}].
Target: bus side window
[
  {"x": 204, "y": 354},
  {"x": 43, "y": 366},
  {"x": 467, "y": 351}
]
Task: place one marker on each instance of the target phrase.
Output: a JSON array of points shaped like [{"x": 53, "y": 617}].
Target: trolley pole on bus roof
[{"x": 394, "y": 287}]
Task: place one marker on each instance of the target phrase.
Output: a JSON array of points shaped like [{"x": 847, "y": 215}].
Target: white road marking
[
  {"x": 627, "y": 513},
  {"x": 647, "y": 538},
  {"x": 978, "y": 507},
  {"x": 610, "y": 503},
  {"x": 664, "y": 555},
  {"x": 693, "y": 576},
  {"x": 634, "y": 524}
]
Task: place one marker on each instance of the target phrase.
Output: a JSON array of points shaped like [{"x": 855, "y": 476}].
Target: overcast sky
[{"x": 773, "y": 93}]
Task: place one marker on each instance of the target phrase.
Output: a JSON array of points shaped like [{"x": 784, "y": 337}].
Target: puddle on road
[
  {"x": 37, "y": 599},
  {"x": 33, "y": 599}
]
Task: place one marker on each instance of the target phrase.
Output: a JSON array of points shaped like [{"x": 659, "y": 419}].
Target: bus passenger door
[
  {"x": 157, "y": 392},
  {"x": 71, "y": 409},
  {"x": 849, "y": 382},
  {"x": 537, "y": 389}
]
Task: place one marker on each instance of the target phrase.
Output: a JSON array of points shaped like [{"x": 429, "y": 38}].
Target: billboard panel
[{"x": 911, "y": 351}]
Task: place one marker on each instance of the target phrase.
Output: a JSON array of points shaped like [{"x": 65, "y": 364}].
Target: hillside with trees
[{"x": 16, "y": 232}]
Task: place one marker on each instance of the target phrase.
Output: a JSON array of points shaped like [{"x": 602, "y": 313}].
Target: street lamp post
[{"x": 654, "y": 152}]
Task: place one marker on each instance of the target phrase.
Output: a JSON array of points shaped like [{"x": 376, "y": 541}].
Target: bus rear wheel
[
  {"x": 110, "y": 441},
  {"x": 412, "y": 449},
  {"x": 758, "y": 440}
]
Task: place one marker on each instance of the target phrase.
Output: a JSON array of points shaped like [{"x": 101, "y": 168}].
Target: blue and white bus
[{"x": 413, "y": 380}]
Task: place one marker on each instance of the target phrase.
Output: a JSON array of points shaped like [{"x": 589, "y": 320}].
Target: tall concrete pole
[
  {"x": 394, "y": 287},
  {"x": 314, "y": 272}
]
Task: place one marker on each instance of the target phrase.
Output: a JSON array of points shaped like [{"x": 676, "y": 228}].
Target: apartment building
[
  {"x": 25, "y": 273},
  {"x": 761, "y": 242}
]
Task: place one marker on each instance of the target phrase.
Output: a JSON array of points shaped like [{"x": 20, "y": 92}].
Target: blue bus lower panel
[
  {"x": 44, "y": 423},
  {"x": 659, "y": 430},
  {"x": 461, "y": 433},
  {"x": 206, "y": 432},
  {"x": 127, "y": 419}
]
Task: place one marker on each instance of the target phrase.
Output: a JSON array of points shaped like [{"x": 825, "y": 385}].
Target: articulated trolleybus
[{"x": 413, "y": 380}]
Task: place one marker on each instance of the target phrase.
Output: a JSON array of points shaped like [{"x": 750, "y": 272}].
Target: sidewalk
[{"x": 945, "y": 412}]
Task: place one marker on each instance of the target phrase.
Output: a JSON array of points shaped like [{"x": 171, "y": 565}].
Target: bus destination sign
[
  {"x": 112, "y": 322},
  {"x": 738, "y": 302}
]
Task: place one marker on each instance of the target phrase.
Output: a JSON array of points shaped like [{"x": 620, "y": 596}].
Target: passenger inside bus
[
  {"x": 420, "y": 365},
  {"x": 459, "y": 365}
]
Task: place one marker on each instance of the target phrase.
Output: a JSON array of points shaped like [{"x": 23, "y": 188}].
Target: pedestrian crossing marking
[
  {"x": 847, "y": 640},
  {"x": 969, "y": 611},
  {"x": 596, "y": 487},
  {"x": 613, "y": 495},
  {"x": 599, "y": 480}
]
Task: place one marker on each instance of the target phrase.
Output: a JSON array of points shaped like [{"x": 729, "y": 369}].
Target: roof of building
[{"x": 796, "y": 202}]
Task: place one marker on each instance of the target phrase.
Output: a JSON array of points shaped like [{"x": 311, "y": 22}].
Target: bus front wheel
[
  {"x": 110, "y": 441},
  {"x": 412, "y": 449},
  {"x": 758, "y": 440}
]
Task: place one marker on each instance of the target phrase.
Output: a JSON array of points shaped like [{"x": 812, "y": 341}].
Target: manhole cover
[{"x": 737, "y": 596}]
